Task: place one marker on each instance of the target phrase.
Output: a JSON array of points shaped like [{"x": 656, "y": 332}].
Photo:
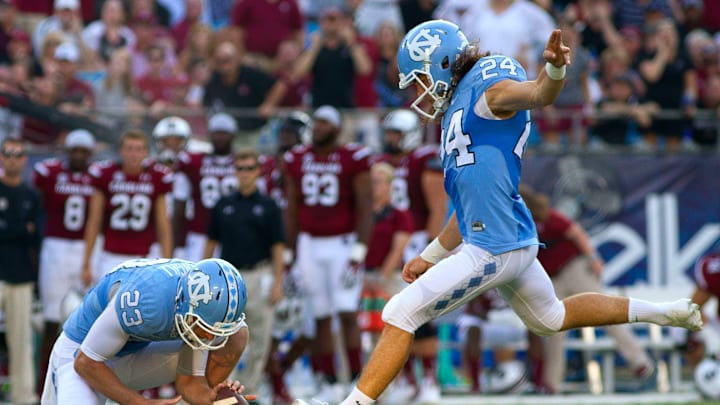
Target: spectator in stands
[
  {"x": 632, "y": 42},
  {"x": 370, "y": 15},
  {"x": 19, "y": 248},
  {"x": 48, "y": 65},
  {"x": 692, "y": 11},
  {"x": 705, "y": 125},
  {"x": 181, "y": 30},
  {"x": 263, "y": 25},
  {"x": 149, "y": 33},
  {"x": 463, "y": 13},
  {"x": 566, "y": 117},
  {"x": 290, "y": 90},
  {"x": 574, "y": 267},
  {"x": 671, "y": 83},
  {"x": 598, "y": 31},
  {"x": 19, "y": 49},
  {"x": 234, "y": 85},
  {"x": 7, "y": 27},
  {"x": 151, "y": 7},
  {"x": 115, "y": 93},
  {"x": 45, "y": 91},
  {"x": 65, "y": 20},
  {"x": 76, "y": 96},
  {"x": 200, "y": 45},
  {"x": 634, "y": 13},
  {"x": 109, "y": 32},
  {"x": 156, "y": 85},
  {"x": 386, "y": 82},
  {"x": 415, "y": 12},
  {"x": 514, "y": 28},
  {"x": 336, "y": 57},
  {"x": 199, "y": 75},
  {"x": 621, "y": 112}
]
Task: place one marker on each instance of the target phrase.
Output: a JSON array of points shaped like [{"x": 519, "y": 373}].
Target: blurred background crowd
[
  {"x": 645, "y": 72},
  {"x": 645, "y": 77}
]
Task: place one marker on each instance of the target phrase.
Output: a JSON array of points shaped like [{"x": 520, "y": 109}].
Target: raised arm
[{"x": 507, "y": 97}]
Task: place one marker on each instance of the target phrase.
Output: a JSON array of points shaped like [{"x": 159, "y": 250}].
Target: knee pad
[
  {"x": 397, "y": 313},
  {"x": 549, "y": 322}
]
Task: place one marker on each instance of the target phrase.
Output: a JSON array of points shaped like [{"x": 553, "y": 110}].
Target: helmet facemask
[
  {"x": 188, "y": 324},
  {"x": 435, "y": 94}
]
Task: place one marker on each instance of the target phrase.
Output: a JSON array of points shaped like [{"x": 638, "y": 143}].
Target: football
[{"x": 227, "y": 396}]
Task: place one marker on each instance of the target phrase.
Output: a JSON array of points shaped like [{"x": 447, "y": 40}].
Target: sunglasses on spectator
[
  {"x": 15, "y": 154},
  {"x": 245, "y": 168}
]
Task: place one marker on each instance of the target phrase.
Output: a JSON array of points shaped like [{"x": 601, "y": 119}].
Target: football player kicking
[{"x": 148, "y": 323}]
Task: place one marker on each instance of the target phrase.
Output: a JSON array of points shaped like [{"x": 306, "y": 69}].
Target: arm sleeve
[
  {"x": 181, "y": 187},
  {"x": 192, "y": 362},
  {"x": 106, "y": 337}
]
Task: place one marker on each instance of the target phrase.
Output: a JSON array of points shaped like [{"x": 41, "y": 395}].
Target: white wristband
[
  {"x": 433, "y": 252},
  {"x": 358, "y": 252},
  {"x": 554, "y": 72}
]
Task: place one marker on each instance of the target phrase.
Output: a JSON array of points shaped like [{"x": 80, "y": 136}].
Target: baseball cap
[
  {"x": 80, "y": 138},
  {"x": 71, "y": 4},
  {"x": 329, "y": 114},
  {"x": 67, "y": 51},
  {"x": 222, "y": 122}
]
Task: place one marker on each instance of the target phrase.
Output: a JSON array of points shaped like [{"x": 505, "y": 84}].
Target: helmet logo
[
  {"x": 422, "y": 45},
  {"x": 199, "y": 288}
]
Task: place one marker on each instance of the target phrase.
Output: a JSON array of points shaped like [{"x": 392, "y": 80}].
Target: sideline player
[
  {"x": 202, "y": 178},
  {"x": 329, "y": 222},
  {"x": 65, "y": 189},
  {"x": 128, "y": 207},
  {"x": 151, "y": 322}
]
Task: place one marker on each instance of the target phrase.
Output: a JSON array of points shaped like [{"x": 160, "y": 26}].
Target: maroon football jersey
[
  {"x": 66, "y": 196},
  {"x": 129, "y": 223},
  {"x": 211, "y": 177},
  {"x": 270, "y": 183},
  {"x": 407, "y": 192},
  {"x": 387, "y": 223},
  {"x": 707, "y": 274},
  {"x": 325, "y": 197}
]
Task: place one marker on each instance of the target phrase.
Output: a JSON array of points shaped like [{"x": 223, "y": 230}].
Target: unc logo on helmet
[
  {"x": 423, "y": 45},
  {"x": 209, "y": 304},
  {"x": 425, "y": 58}
]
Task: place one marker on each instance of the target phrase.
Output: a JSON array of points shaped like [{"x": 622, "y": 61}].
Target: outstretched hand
[{"x": 556, "y": 53}]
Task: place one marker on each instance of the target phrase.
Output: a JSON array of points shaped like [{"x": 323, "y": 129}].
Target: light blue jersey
[
  {"x": 481, "y": 157},
  {"x": 146, "y": 291}
]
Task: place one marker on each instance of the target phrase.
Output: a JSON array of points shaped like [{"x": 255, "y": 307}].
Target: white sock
[
  {"x": 646, "y": 311},
  {"x": 356, "y": 397}
]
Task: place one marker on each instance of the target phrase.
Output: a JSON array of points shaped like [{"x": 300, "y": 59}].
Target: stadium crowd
[
  {"x": 645, "y": 72},
  {"x": 85, "y": 77}
]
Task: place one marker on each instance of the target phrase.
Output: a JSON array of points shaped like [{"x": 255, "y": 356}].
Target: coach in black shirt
[
  {"x": 19, "y": 244},
  {"x": 249, "y": 227}
]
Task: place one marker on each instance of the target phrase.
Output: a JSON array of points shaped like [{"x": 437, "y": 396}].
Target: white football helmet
[
  {"x": 72, "y": 299},
  {"x": 407, "y": 123},
  {"x": 707, "y": 378},
  {"x": 172, "y": 126}
]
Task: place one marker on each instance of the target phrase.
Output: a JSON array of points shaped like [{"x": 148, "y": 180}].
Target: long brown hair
[{"x": 467, "y": 59}]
